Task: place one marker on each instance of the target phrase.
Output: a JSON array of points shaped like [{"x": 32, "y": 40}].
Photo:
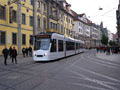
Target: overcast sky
[{"x": 91, "y": 8}]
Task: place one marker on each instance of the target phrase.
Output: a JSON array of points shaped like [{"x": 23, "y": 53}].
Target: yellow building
[
  {"x": 60, "y": 18},
  {"x": 50, "y": 16},
  {"x": 9, "y": 25}
]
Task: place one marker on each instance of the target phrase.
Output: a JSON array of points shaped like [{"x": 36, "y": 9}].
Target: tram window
[
  {"x": 53, "y": 47},
  {"x": 42, "y": 44},
  {"x": 70, "y": 45},
  {"x": 76, "y": 45},
  {"x": 79, "y": 45},
  {"x": 60, "y": 45}
]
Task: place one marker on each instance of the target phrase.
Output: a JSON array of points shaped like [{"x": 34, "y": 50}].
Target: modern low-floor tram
[{"x": 52, "y": 46}]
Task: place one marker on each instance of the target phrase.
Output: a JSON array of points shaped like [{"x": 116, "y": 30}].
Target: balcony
[{"x": 54, "y": 17}]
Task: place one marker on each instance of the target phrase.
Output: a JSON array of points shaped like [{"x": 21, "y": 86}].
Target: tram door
[
  {"x": 65, "y": 48},
  {"x": 75, "y": 47}
]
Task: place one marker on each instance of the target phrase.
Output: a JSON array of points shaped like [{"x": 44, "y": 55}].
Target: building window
[
  {"x": 31, "y": 39},
  {"x": 55, "y": 26},
  {"x": 24, "y": 0},
  {"x": 38, "y": 4},
  {"x": 14, "y": 38},
  {"x": 2, "y": 13},
  {"x": 50, "y": 10},
  {"x": 31, "y": 2},
  {"x": 38, "y": 22},
  {"x": 23, "y": 19},
  {"x": 14, "y": 16},
  {"x": 23, "y": 39},
  {"x": 44, "y": 7},
  {"x": 2, "y": 38},
  {"x": 69, "y": 20},
  {"x": 31, "y": 20},
  {"x": 44, "y": 24},
  {"x": 51, "y": 25}
]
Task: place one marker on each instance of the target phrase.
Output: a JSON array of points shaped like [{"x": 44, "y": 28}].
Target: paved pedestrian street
[{"x": 86, "y": 71}]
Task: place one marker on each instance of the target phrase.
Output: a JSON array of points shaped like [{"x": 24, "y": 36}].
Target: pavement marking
[
  {"x": 113, "y": 64},
  {"x": 88, "y": 86},
  {"x": 94, "y": 80},
  {"x": 13, "y": 77},
  {"x": 102, "y": 64},
  {"x": 98, "y": 74},
  {"x": 108, "y": 57},
  {"x": 105, "y": 82}
]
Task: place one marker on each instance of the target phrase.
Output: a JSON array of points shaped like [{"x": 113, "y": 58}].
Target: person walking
[
  {"x": 10, "y": 51},
  {"x": 23, "y": 52},
  {"x": 26, "y": 51},
  {"x": 14, "y": 55},
  {"x": 30, "y": 51},
  {"x": 5, "y": 53}
]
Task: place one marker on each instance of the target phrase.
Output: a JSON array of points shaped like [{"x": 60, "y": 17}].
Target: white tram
[{"x": 52, "y": 46}]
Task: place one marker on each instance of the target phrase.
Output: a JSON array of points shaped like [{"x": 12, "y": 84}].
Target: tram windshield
[{"x": 42, "y": 44}]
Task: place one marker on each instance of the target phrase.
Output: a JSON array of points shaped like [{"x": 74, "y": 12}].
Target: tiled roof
[{"x": 81, "y": 15}]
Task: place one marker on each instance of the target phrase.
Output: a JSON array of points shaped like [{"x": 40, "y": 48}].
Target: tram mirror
[{"x": 51, "y": 40}]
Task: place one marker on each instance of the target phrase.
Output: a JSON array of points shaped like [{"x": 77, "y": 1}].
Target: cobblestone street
[{"x": 86, "y": 71}]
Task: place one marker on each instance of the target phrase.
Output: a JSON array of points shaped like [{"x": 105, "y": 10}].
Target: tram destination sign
[{"x": 42, "y": 36}]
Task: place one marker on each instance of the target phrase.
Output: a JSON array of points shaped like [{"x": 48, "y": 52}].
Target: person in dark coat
[
  {"x": 14, "y": 55},
  {"x": 10, "y": 52},
  {"x": 26, "y": 51},
  {"x": 30, "y": 51},
  {"x": 23, "y": 52},
  {"x": 5, "y": 53}
]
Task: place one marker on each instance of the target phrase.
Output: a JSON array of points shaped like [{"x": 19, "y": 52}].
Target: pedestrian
[
  {"x": 108, "y": 50},
  {"x": 5, "y": 53},
  {"x": 30, "y": 51},
  {"x": 23, "y": 52},
  {"x": 26, "y": 51},
  {"x": 10, "y": 51},
  {"x": 97, "y": 49},
  {"x": 14, "y": 55}
]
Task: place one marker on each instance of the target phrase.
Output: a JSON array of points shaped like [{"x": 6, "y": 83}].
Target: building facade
[
  {"x": 95, "y": 35},
  {"x": 9, "y": 27},
  {"x": 20, "y": 20},
  {"x": 118, "y": 22}
]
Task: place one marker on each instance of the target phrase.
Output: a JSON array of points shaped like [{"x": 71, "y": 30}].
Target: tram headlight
[{"x": 45, "y": 54}]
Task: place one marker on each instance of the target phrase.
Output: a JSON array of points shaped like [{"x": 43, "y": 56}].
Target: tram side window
[
  {"x": 77, "y": 46},
  {"x": 60, "y": 45},
  {"x": 81, "y": 45},
  {"x": 70, "y": 45},
  {"x": 53, "y": 47}
]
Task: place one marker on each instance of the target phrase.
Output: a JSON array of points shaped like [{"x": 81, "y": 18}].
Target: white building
[{"x": 110, "y": 36}]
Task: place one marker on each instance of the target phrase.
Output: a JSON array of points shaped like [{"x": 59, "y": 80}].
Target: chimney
[{"x": 68, "y": 7}]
